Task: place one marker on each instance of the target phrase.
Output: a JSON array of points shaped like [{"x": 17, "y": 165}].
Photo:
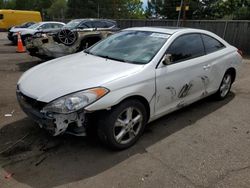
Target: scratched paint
[
  {"x": 187, "y": 87},
  {"x": 185, "y": 90},
  {"x": 205, "y": 81},
  {"x": 172, "y": 91}
]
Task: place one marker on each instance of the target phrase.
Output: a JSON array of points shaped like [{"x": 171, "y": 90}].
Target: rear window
[
  {"x": 1, "y": 16},
  {"x": 211, "y": 44}
]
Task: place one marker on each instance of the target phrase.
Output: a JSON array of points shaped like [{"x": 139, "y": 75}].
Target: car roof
[
  {"x": 164, "y": 29},
  {"x": 94, "y": 19},
  {"x": 51, "y": 22}
]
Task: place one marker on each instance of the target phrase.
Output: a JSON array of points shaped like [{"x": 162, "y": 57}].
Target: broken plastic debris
[
  {"x": 9, "y": 175},
  {"x": 10, "y": 115}
]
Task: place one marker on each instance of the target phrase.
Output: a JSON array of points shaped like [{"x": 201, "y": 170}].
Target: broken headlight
[{"x": 75, "y": 101}]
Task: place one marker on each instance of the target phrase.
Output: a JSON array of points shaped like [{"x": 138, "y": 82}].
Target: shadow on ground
[
  {"x": 40, "y": 160},
  {"x": 24, "y": 66}
]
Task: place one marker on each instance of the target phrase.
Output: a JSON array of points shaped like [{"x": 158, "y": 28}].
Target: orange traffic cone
[{"x": 20, "y": 47}]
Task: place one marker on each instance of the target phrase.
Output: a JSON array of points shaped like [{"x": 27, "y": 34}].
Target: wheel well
[
  {"x": 143, "y": 101},
  {"x": 232, "y": 71}
]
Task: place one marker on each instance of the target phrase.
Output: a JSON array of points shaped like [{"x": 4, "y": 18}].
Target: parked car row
[
  {"x": 49, "y": 40},
  {"x": 45, "y": 27}
]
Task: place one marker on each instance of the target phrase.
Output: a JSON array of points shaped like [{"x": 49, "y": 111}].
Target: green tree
[
  {"x": 167, "y": 8},
  {"x": 134, "y": 9},
  {"x": 58, "y": 9},
  {"x": 10, "y": 4},
  {"x": 105, "y": 9},
  {"x": 150, "y": 10},
  {"x": 81, "y": 8},
  {"x": 235, "y": 9}
]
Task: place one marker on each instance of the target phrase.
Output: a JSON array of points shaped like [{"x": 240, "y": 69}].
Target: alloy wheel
[
  {"x": 128, "y": 125},
  {"x": 226, "y": 85}
]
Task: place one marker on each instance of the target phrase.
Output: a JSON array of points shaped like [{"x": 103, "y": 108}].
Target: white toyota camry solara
[{"x": 127, "y": 80}]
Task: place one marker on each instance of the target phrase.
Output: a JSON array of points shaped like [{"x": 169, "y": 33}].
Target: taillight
[{"x": 240, "y": 52}]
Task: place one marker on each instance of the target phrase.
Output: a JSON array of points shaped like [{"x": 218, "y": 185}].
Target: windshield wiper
[
  {"x": 111, "y": 58},
  {"x": 87, "y": 52}
]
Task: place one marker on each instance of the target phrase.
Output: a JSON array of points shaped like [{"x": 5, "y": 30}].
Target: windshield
[
  {"x": 72, "y": 24},
  {"x": 34, "y": 26},
  {"x": 130, "y": 46}
]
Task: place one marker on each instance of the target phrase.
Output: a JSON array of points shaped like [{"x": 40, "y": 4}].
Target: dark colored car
[
  {"x": 41, "y": 27},
  {"x": 24, "y": 25}
]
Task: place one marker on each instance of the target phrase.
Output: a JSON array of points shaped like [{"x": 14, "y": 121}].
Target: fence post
[{"x": 225, "y": 30}]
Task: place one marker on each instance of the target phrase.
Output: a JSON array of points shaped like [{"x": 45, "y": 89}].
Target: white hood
[
  {"x": 72, "y": 73},
  {"x": 24, "y": 31}
]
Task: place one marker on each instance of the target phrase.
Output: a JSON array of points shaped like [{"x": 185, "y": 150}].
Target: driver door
[{"x": 184, "y": 80}]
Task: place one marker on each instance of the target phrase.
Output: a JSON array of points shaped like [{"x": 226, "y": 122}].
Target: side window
[
  {"x": 46, "y": 26},
  {"x": 186, "y": 47},
  {"x": 57, "y": 26},
  {"x": 211, "y": 44},
  {"x": 83, "y": 25},
  {"x": 109, "y": 24},
  {"x": 1, "y": 16},
  {"x": 89, "y": 24},
  {"x": 29, "y": 24},
  {"x": 99, "y": 24}
]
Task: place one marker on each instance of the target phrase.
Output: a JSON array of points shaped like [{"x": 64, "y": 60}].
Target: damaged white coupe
[{"x": 127, "y": 80}]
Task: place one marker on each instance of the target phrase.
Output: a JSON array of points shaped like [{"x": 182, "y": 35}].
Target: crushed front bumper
[
  {"x": 47, "y": 48},
  {"x": 55, "y": 124}
]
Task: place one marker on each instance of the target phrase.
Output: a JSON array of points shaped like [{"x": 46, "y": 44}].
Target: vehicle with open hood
[
  {"x": 41, "y": 27},
  {"x": 73, "y": 37}
]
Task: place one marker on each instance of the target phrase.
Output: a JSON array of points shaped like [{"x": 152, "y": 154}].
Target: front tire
[
  {"x": 225, "y": 86},
  {"x": 122, "y": 126}
]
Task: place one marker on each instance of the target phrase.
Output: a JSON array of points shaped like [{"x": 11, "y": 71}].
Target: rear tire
[
  {"x": 225, "y": 86},
  {"x": 123, "y": 125}
]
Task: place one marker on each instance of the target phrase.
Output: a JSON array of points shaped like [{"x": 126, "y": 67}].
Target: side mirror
[{"x": 167, "y": 60}]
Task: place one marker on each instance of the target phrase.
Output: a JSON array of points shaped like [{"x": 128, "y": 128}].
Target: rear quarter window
[
  {"x": 99, "y": 24},
  {"x": 211, "y": 44},
  {"x": 109, "y": 24},
  {"x": 88, "y": 24}
]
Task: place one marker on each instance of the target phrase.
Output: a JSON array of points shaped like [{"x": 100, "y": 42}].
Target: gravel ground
[{"x": 203, "y": 145}]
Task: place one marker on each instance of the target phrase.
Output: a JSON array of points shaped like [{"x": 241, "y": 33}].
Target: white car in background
[
  {"x": 127, "y": 80},
  {"x": 41, "y": 27}
]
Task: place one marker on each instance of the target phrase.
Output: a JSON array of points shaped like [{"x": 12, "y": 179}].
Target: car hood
[
  {"x": 23, "y": 31},
  {"x": 72, "y": 73}
]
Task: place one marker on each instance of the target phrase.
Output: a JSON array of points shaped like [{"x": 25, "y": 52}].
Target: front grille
[
  {"x": 10, "y": 34},
  {"x": 37, "y": 105}
]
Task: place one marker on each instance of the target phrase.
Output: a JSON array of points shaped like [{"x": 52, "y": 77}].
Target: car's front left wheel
[{"x": 122, "y": 126}]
